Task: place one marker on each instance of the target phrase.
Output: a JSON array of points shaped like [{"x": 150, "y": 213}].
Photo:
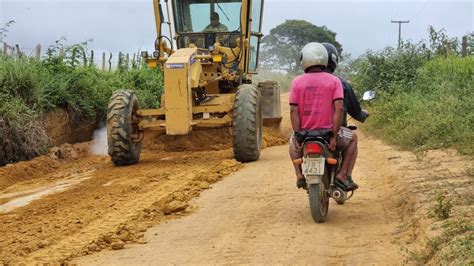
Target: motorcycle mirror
[{"x": 368, "y": 95}]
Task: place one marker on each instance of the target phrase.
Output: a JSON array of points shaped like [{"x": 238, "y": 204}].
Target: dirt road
[
  {"x": 256, "y": 215},
  {"x": 189, "y": 202}
]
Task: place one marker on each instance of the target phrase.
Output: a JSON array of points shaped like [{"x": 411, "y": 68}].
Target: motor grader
[{"x": 207, "y": 80}]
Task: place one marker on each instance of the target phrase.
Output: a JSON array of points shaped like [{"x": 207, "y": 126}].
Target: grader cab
[{"x": 207, "y": 79}]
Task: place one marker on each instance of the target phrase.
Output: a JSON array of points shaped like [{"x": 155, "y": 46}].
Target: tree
[{"x": 281, "y": 48}]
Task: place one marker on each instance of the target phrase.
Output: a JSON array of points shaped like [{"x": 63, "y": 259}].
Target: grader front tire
[
  {"x": 247, "y": 124},
  {"x": 122, "y": 129}
]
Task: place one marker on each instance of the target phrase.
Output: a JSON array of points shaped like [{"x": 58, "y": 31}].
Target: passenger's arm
[
  {"x": 353, "y": 105},
  {"x": 337, "y": 121}
]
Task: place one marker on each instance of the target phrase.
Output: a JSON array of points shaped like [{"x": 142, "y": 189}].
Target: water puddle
[{"x": 38, "y": 193}]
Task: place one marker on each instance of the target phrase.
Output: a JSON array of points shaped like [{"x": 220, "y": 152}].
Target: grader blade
[{"x": 270, "y": 103}]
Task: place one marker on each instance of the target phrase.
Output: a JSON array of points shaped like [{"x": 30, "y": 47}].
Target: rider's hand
[{"x": 332, "y": 143}]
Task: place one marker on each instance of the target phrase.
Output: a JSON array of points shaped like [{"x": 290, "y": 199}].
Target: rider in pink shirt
[
  {"x": 316, "y": 103},
  {"x": 310, "y": 92}
]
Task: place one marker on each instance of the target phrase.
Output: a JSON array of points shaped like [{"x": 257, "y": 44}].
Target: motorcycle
[{"x": 320, "y": 166}]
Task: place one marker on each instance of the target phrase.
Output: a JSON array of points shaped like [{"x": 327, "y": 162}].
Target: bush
[
  {"x": 391, "y": 69},
  {"x": 435, "y": 112},
  {"x": 442, "y": 209},
  {"x": 29, "y": 88},
  {"x": 22, "y": 135}
]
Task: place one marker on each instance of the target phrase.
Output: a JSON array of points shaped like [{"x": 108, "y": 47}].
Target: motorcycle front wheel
[{"x": 318, "y": 202}]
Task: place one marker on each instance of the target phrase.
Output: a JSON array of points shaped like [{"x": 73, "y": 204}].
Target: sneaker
[
  {"x": 352, "y": 183},
  {"x": 301, "y": 183}
]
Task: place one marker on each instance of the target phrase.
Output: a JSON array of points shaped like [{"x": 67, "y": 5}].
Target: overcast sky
[{"x": 128, "y": 25}]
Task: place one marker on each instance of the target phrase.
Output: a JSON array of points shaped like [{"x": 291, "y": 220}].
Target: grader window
[{"x": 194, "y": 16}]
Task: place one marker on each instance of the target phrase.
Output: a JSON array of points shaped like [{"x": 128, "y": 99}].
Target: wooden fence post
[
  {"x": 91, "y": 61},
  {"x": 38, "y": 52},
  {"x": 127, "y": 60},
  {"x": 134, "y": 61},
  {"x": 120, "y": 60},
  {"x": 18, "y": 52},
  {"x": 103, "y": 61},
  {"x": 464, "y": 46},
  {"x": 110, "y": 62},
  {"x": 5, "y": 49}
]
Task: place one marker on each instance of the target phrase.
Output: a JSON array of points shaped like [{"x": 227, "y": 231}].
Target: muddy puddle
[{"x": 23, "y": 198}]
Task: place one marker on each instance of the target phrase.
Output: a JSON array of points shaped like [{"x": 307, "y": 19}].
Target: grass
[
  {"x": 425, "y": 101},
  {"x": 29, "y": 89},
  {"x": 436, "y": 112},
  {"x": 454, "y": 246},
  {"x": 442, "y": 208}
]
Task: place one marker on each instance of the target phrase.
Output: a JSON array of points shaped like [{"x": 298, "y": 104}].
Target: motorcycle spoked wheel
[{"x": 318, "y": 202}]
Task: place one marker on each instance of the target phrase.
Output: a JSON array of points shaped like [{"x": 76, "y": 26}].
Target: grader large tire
[
  {"x": 122, "y": 129},
  {"x": 247, "y": 124}
]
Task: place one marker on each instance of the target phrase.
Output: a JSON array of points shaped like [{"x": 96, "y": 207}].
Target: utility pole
[{"x": 400, "y": 29}]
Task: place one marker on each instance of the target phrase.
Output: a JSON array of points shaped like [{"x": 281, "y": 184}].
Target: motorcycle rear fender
[
  {"x": 326, "y": 152},
  {"x": 314, "y": 179}
]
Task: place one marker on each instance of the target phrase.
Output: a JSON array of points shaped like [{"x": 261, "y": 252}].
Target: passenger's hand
[
  {"x": 299, "y": 146},
  {"x": 332, "y": 143},
  {"x": 366, "y": 112}
]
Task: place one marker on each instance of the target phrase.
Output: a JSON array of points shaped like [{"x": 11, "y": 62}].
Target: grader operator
[{"x": 207, "y": 79}]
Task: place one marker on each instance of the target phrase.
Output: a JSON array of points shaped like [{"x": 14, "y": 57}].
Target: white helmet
[{"x": 314, "y": 54}]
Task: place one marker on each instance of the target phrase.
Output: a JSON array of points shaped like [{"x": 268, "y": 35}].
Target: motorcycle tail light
[{"x": 313, "y": 148}]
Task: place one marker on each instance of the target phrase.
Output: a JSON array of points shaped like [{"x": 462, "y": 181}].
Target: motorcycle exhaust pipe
[{"x": 336, "y": 194}]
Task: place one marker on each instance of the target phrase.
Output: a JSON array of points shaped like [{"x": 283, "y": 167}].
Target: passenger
[
  {"x": 316, "y": 104},
  {"x": 215, "y": 25},
  {"x": 351, "y": 106}
]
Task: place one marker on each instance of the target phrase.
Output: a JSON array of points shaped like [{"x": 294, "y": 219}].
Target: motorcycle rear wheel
[{"x": 318, "y": 202}]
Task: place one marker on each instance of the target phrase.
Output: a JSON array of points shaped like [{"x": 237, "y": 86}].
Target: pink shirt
[{"x": 314, "y": 94}]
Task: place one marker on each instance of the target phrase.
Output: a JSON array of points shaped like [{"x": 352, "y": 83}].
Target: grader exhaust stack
[{"x": 207, "y": 80}]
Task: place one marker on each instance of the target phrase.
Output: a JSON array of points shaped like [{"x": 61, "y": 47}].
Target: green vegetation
[
  {"x": 453, "y": 246},
  {"x": 29, "y": 89},
  {"x": 442, "y": 208},
  {"x": 425, "y": 95},
  {"x": 281, "y": 48},
  {"x": 425, "y": 101},
  {"x": 280, "y": 53}
]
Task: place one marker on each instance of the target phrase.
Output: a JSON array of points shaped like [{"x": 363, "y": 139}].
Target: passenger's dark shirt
[{"x": 351, "y": 104}]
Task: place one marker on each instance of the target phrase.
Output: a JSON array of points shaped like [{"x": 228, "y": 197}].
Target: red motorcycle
[{"x": 320, "y": 166}]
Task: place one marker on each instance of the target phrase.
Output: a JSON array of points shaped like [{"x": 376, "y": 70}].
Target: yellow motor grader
[{"x": 207, "y": 79}]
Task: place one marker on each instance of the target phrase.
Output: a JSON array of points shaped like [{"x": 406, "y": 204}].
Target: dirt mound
[
  {"x": 198, "y": 140},
  {"x": 62, "y": 128},
  {"x": 42, "y": 165},
  {"x": 209, "y": 140},
  {"x": 80, "y": 203},
  {"x": 434, "y": 195},
  {"x": 110, "y": 206}
]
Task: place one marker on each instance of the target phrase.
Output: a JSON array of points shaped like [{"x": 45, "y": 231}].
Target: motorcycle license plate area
[{"x": 313, "y": 166}]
